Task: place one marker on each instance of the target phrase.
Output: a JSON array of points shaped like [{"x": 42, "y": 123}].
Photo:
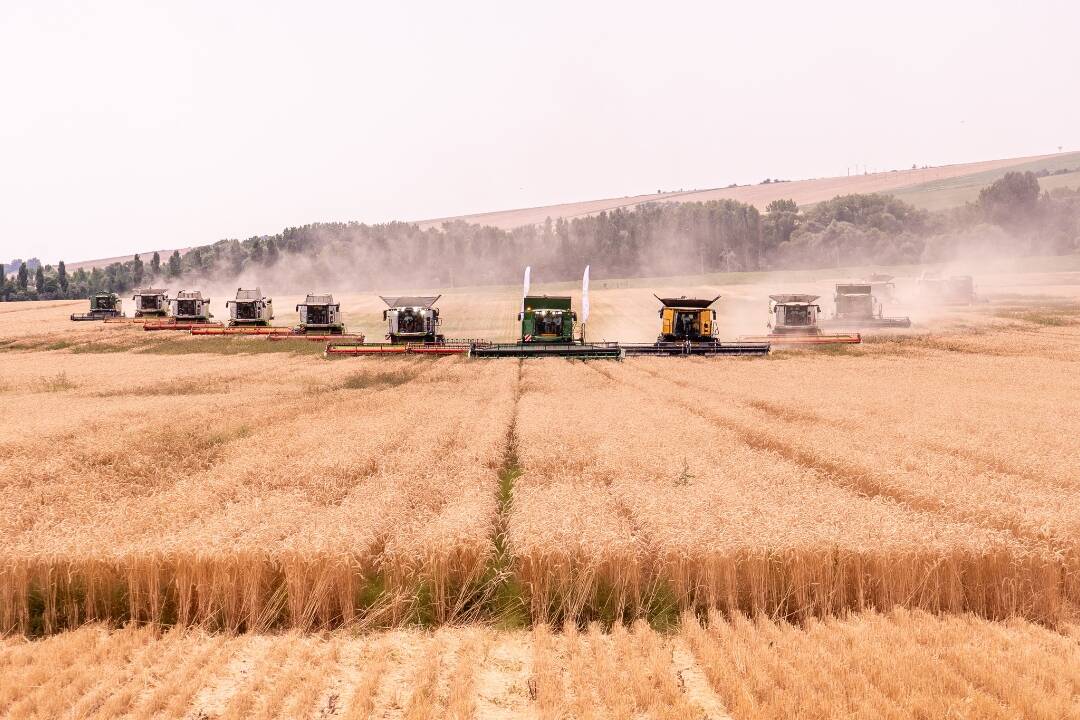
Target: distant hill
[{"x": 931, "y": 187}]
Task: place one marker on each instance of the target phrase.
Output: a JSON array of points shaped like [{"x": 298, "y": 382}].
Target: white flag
[
  {"x": 585, "y": 295},
  {"x": 525, "y": 292}
]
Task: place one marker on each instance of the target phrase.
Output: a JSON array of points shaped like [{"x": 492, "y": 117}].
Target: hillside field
[{"x": 197, "y": 527}]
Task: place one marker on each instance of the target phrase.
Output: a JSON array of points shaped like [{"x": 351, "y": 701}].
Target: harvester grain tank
[
  {"x": 858, "y": 307},
  {"x": 102, "y": 305},
  {"x": 151, "y": 302},
  {"x": 412, "y": 319},
  {"x": 688, "y": 327},
  {"x": 794, "y": 321},
  {"x": 250, "y": 308}
]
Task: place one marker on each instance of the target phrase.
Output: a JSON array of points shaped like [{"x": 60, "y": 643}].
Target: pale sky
[{"x": 130, "y": 126}]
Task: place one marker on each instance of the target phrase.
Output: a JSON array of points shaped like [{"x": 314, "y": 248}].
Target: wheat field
[{"x": 231, "y": 527}]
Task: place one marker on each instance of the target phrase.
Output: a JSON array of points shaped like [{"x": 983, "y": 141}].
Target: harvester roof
[
  {"x": 151, "y": 291},
  {"x": 189, "y": 295},
  {"x": 545, "y": 302},
  {"x": 685, "y": 302},
  {"x": 242, "y": 294},
  {"x": 410, "y": 301},
  {"x": 794, "y": 299},
  {"x": 327, "y": 299},
  {"x": 854, "y": 289}
]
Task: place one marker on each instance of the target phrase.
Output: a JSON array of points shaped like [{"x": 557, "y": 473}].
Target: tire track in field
[{"x": 859, "y": 479}]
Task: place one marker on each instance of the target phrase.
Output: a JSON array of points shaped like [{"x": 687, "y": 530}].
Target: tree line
[{"x": 1011, "y": 216}]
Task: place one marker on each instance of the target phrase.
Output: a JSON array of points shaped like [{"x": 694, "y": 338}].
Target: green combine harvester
[
  {"x": 102, "y": 305},
  {"x": 548, "y": 329}
]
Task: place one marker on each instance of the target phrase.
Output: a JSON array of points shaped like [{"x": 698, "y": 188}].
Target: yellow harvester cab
[{"x": 685, "y": 319}]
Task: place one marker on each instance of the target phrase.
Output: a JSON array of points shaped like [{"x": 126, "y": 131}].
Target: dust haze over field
[{"x": 917, "y": 491}]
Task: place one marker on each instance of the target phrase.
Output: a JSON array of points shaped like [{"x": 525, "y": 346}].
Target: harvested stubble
[
  {"x": 265, "y": 504},
  {"x": 625, "y": 512},
  {"x": 896, "y": 665}
]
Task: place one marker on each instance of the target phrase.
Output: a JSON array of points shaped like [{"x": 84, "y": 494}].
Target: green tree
[
  {"x": 137, "y": 270},
  {"x": 23, "y": 279},
  {"x": 39, "y": 279},
  {"x": 1011, "y": 201},
  {"x": 781, "y": 206},
  {"x": 155, "y": 264},
  {"x": 271, "y": 252},
  {"x": 62, "y": 277},
  {"x": 174, "y": 264}
]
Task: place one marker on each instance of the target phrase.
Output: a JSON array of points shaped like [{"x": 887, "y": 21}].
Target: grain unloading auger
[
  {"x": 548, "y": 329},
  {"x": 857, "y": 307},
  {"x": 103, "y": 305},
  {"x": 688, "y": 327},
  {"x": 794, "y": 321}
]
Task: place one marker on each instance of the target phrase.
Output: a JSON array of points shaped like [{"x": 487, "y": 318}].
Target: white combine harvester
[
  {"x": 189, "y": 306},
  {"x": 151, "y": 302},
  {"x": 412, "y": 319},
  {"x": 793, "y": 319},
  {"x": 319, "y": 314},
  {"x": 250, "y": 307}
]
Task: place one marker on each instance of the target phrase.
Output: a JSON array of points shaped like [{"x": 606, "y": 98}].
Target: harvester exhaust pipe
[{"x": 584, "y": 302}]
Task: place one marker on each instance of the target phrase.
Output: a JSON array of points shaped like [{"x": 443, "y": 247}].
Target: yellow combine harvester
[{"x": 688, "y": 327}]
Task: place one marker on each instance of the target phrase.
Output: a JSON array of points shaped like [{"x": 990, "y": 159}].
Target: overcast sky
[{"x": 132, "y": 126}]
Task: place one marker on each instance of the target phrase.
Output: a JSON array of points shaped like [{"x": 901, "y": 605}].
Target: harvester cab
[
  {"x": 857, "y": 306},
  {"x": 546, "y": 319},
  {"x": 189, "y": 306},
  {"x": 102, "y": 305},
  {"x": 794, "y": 314},
  {"x": 412, "y": 319},
  {"x": 684, "y": 319},
  {"x": 250, "y": 307},
  {"x": 319, "y": 314},
  {"x": 151, "y": 302}
]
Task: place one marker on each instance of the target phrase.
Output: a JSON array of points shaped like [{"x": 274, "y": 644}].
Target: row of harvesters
[{"x": 549, "y": 324}]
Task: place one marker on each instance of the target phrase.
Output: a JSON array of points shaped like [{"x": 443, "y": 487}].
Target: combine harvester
[
  {"x": 250, "y": 313},
  {"x": 955, "y": 290},
  {"x": 794, "y": 321},
  {"x": 151, "y": 302},
  {"x": 857, "y": 308},
  {"x": 412, "y": 319},
  {"x": 547, "y": 329},
  {"x": 320, "y": 321},
  {"x": 412, "y": 327},
  {"x": 190, "y": 310},
  {"x": 103, "y": 305},
  {"x": 688, "y": 327}
]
